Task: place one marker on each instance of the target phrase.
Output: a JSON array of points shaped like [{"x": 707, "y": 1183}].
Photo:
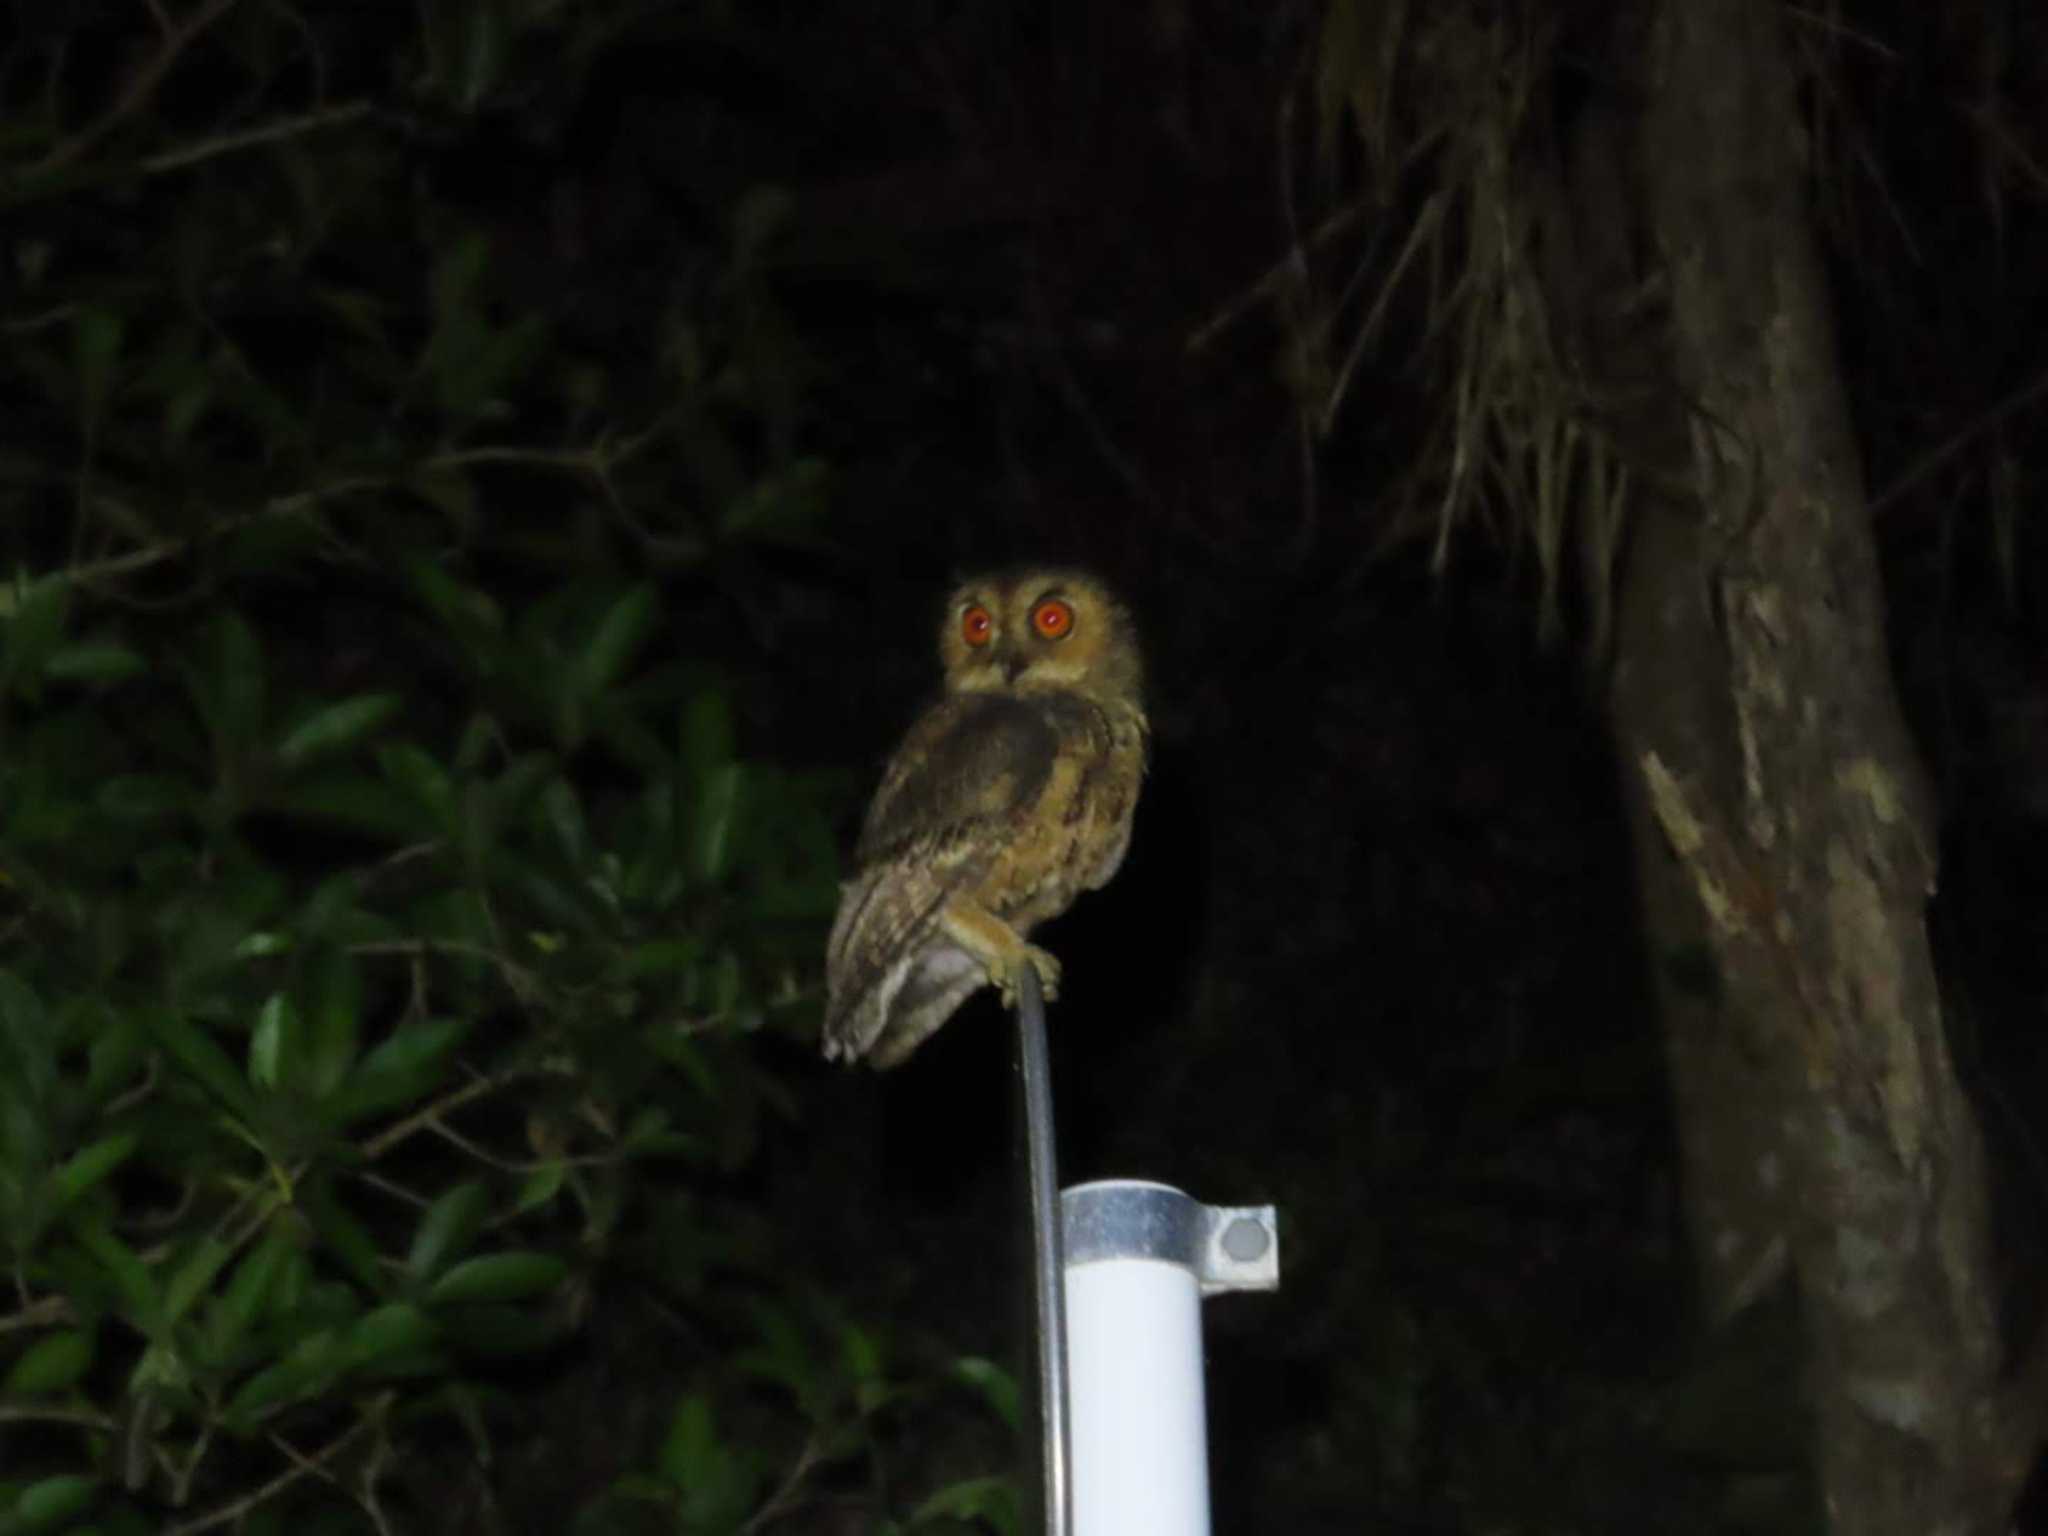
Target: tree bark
[
  {"x": 1666, "y": 696},
  {"x": 1753, "y": 699}
]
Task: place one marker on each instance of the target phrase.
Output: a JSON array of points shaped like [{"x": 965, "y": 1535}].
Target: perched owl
[{"x": 1008, "y": 797}]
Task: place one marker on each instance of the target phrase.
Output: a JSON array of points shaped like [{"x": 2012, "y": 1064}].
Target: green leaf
[
  {"x": 471, "y": 615},
  {"x": 337, "y": 726},
  {"x": 50, "y": 1365},
  {"x": 116, "y": 1056},
  {"x": 997, "y": 1386},
  {"x": 450, "y": 1224},
  {"x": 144, "y": 797},
  {"x": 718, "y": 810},
  {"x": 618, "y": 639},
  {"x": 420, "y": 776},
  {"x": 28, "y": 1044},
  {"x": 707, "y": 732},
  {"x": 480, "y": 57},
  {"x": 230, "y": 686},
  {"x": 88, "y": 1166},
  {"x": 371, "y": 806},
  {"x": 201, "y": 1056},
  {"x": 541, "y": 1186},
  {"x": 384, "y": 1337},
  {"x": 192, "y": 1278},
  {"x": 489, "y": 808},
  {"x": 45, "y": 1505},
  {"x": 783, "y": 1356},
  {"x": 498, "y": 1277},
  {"x": 403, "y": 1068},
  {"x": 132, "y": 1281},
  {"x": 665, "y": 957},
  {"x": 500, "y": 1332},
  {"x": 459, "y": 271},
  {"x": 862, "y": 1352},
  {"x": 993, "y": 1499},
  {"x": 274, "y": 1043},
  {"x": 691, "y": 1453},
  {"x": 35, "y": 613},
  {"x": 184, "y": 409},
  {"x": 254, "y": 1279},
  {"x": 95, "y": 348},
  {"x": 347, "y": 1240},
  {"x": 564, "y": 815},
  {"x": 314, "y": 1362},
  {"x": 94, "y": 662},
  {"x": 334, "y": 1011}
]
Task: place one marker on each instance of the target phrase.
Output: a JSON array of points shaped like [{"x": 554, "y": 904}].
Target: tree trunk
[{"x": 1818, "y": 1102}]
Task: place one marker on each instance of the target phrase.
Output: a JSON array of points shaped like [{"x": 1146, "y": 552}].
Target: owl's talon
[{"x": 1005, "y": 973}]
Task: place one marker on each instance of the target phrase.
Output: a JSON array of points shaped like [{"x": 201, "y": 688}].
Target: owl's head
[{"x": 1041, "y": 630}]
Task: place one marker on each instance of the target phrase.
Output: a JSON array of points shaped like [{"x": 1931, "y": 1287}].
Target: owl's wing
[
  {"x": 971, "y": 763},
  {"x": 952, "y": 798}
]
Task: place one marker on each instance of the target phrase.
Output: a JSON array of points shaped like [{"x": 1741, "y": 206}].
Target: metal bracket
[{"x": 1227, "y": 1247}]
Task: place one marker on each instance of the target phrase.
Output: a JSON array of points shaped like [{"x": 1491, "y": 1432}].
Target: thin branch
[
  {"x": 1836, "y": 28},
  {"x": 485, "y": 1155},
  {"x": 303, "y": 1466},
  {"x": 182, "y": 1477},
  {"x": 373, "y": 1473},
  {"x": 784, "y": 1500},
  {"x": 312, "y": 1466},
  {"x": 596, "y": 461},
  {"x": 141, "y": 86},
  {"x": 1419, "y": 237},
  {"x": 28, "y": 325},
  {"x": 1929, "y": 462},
  {"x": 156, "y": 554},
  {"x": 1275, "y": 278},
  {"x": 2003, "y": 141},
  {"x": 41, "y": 1313},
  {"x": 395, "y": 1190},
  {"x": 247, "y": 138},
  {"x": 421, "y": 1119},
  {"x": 522, "y": 981},
  {"x": 134, "y": 1096}
]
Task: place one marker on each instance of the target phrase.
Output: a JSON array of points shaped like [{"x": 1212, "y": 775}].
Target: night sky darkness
[{"x": 1374, "y": 956}]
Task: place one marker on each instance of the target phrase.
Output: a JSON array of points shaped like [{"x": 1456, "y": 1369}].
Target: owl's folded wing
[
  {"x": 953, "y": 797},
  {"x": 969, "y": 766}
]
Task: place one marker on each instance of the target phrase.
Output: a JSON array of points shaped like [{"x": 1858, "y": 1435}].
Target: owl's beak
[{"x": 1010, "y": 664}]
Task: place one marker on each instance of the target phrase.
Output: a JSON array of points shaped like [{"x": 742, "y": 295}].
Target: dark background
[{"x": 1373, "y": 957}]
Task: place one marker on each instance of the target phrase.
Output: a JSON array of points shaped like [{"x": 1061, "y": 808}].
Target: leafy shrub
[
  {"x": 397, "y": 912},
  {"x": 343, "y": 1042}
]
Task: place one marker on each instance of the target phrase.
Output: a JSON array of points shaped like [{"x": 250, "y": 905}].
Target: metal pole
[{"x": 1034, "y": 1087}]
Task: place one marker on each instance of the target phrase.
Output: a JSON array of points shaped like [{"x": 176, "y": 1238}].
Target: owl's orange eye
[
  {"x": 1053, "y": 619},
  {"x": 976, "y": 625}
]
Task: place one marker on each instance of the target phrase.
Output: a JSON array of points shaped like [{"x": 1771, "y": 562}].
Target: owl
[{"x": 1009, "y": 796}]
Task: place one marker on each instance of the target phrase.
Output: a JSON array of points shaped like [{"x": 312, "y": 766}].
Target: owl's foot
[
  {"x": 1000, "y": 949},
  {"x": 1007, "y": 972}
]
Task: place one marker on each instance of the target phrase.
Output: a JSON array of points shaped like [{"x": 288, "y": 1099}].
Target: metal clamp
[{"x": 1227, "y": 1247}]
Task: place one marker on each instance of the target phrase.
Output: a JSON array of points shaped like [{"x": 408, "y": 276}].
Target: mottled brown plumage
[{"x": 1008, "y": 797}]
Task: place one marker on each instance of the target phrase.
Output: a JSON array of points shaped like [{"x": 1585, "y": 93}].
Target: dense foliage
[{"x": 402, "y": 913}]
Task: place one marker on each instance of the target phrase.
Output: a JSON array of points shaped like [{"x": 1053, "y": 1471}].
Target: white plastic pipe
[{"x": 1139, "y": 1258}]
